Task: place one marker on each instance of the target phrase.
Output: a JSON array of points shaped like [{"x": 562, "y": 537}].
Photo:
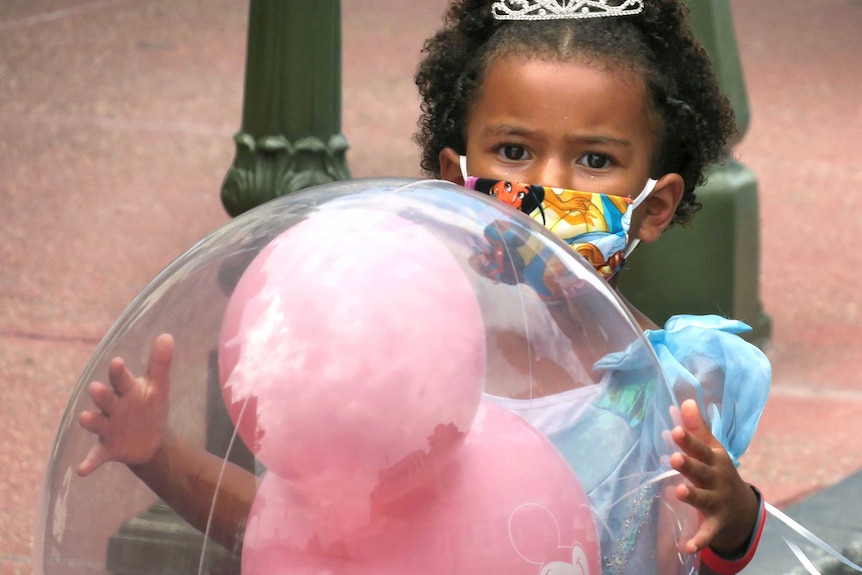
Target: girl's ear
[
  {"x": 450, "y": 166},
  {"x": 660, "y": 207}
]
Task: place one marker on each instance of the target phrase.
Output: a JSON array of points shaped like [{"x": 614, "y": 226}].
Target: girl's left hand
[{"x": 728, "y": 507}]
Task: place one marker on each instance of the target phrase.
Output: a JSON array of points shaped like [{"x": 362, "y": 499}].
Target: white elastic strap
[
  {"x": 800, "y": 555},
  {"x": 631, "y": 247},
  {"x": 811, "y": 538},
  {"x": 648, "y": 188},
  {"x": 463, "y": 161}
]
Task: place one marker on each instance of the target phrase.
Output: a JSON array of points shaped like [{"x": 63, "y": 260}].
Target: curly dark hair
[{"x": 694, "y": 118}]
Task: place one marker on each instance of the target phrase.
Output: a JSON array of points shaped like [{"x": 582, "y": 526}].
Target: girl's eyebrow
[
  {"x": 507, "y": 130},
  {"x": 499, "y": 130},
  {"x": 604, "y": 140}
]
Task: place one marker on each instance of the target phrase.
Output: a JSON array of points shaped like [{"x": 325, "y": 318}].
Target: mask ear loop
[
  {"x": 632, "y": 243},
  {"x": 462, "y": 160}
]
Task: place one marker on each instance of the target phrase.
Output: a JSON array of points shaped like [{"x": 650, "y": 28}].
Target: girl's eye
[
  {"x": 595, "y": 161},
  {"x": 514, "y": 153}
]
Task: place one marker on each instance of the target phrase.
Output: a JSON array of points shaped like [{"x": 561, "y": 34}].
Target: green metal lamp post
[
  {"x": 713, "y": 266},
  {"x": 291, "y": 122}
]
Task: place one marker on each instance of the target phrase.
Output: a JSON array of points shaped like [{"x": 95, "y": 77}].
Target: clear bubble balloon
[{"x": 377, "y": 358}]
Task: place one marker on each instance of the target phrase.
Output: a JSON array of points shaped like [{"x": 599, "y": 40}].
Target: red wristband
[{"x": 733, "y": 565}]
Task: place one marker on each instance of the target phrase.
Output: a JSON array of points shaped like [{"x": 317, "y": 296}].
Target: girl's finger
[
  {"x": 692, "y": 469},
  {"x": 103, "y": 397},
  {"x": 702, "y": 538},
  {"x": 95, "y": 458},
  {"x": 692, "y": 420},
  {"x": 120, "y": 377},
  {"x": 93, "y": 422},
  {"x": 692, "y": 446},
  {"x": 701, "y": 499},
  {"x": 160, "y": 360}
]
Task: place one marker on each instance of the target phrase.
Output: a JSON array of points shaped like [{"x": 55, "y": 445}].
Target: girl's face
[{"x": 561, "y": 124}]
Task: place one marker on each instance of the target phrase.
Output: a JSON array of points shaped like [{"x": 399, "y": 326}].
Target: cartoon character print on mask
[
  {"x": 524, "y": 197},
  {"x": 503, "y": 261},
  {"x": 595, "y": 225}
]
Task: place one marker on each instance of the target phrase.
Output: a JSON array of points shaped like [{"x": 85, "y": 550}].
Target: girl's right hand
[{"x": 133, "y": 411}]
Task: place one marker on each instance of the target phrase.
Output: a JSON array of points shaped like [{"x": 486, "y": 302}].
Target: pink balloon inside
[
  {"x": 506, "y": 503},
  {"x": 351, "y": 341}
]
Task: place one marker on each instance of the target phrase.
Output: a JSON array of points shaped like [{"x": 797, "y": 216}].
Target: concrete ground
[{"x": 116, "y": 120}]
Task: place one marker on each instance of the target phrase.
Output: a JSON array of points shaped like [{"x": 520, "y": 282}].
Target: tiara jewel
[{"x": 562, "y": 9}]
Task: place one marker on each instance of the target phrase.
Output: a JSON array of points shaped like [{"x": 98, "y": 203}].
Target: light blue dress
[{"x": 618, "y": 445}]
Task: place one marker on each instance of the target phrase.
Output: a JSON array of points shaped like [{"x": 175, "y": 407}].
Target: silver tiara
[{"x": 563, "y": 9}]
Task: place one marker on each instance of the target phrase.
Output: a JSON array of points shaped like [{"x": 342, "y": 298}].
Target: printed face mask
[{"x": 595, "y": 225}]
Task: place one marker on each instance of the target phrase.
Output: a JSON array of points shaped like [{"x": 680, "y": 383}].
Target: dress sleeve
[{"x": 704, "y": 358}]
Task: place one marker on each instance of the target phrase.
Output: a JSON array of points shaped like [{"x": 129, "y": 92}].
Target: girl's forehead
[{"x": 559, "y": 94}]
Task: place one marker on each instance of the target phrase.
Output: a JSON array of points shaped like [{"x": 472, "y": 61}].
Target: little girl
[{"x": 604, "y": 115}]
